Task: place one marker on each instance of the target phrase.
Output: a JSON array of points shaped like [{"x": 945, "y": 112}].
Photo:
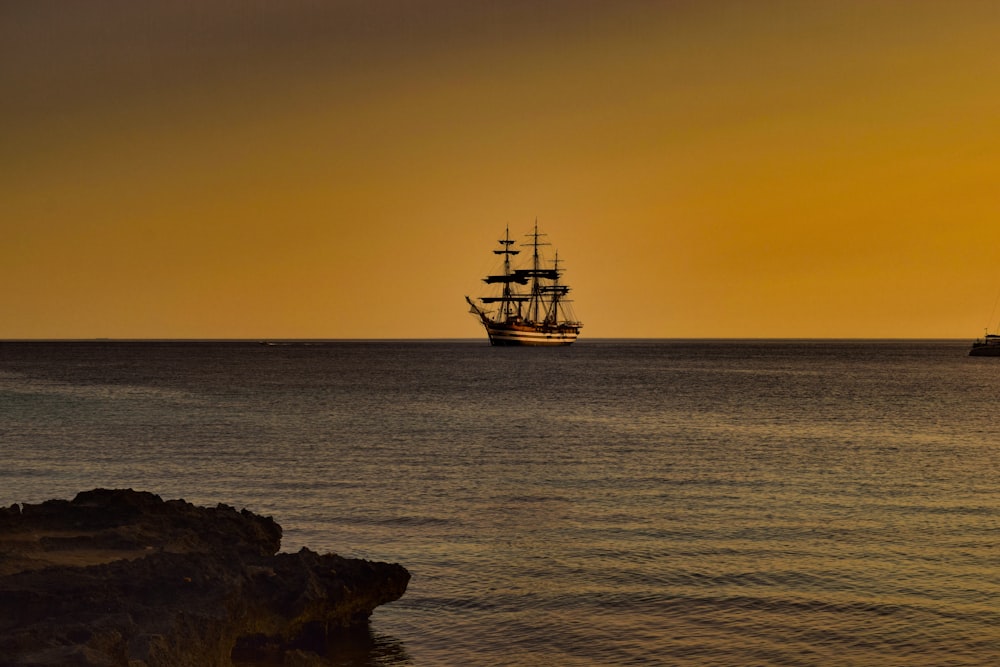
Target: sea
[{"x": 616, "y": 502}]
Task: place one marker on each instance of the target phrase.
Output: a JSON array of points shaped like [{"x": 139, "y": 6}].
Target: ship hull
[
  {"x": 531, "y": 336},
  {"x": 988, "y": 346}
]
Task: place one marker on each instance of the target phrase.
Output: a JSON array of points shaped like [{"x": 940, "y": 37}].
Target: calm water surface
[{"x": 611, "y": 503}]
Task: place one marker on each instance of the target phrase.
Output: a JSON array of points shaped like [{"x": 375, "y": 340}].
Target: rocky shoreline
[{"x": 122, "y": 577}]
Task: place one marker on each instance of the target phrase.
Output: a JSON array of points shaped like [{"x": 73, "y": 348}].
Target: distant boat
[
  {"x": 987, "y": 346},
  {"x": 530, "y": 307}
]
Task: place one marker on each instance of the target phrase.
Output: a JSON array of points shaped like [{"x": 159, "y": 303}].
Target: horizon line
[{"x": 265, "y": 340}]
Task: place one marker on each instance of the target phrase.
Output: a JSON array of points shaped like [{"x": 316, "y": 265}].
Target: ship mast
[
  {"x": 535, "y": 294},
  {"x": 510, "y": 300},
  {"x": 506, "y": 304},
  {"x": 534, "y": 307},
  {"x": 552, "y": 317}
]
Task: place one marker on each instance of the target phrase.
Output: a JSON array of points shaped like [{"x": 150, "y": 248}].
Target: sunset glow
[{"x": 343, "y": 170}]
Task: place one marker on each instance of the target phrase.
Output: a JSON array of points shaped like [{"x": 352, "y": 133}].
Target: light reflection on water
[{"x": 611, "y": 503}]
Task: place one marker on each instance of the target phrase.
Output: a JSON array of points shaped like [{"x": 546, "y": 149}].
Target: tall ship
[{"x": 527, "y": 304}]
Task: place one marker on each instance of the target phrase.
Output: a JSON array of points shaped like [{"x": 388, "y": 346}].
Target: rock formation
[{"x": 119, "y": 577}]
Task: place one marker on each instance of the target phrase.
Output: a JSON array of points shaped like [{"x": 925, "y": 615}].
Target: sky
[{"x": 343, "y": 169}]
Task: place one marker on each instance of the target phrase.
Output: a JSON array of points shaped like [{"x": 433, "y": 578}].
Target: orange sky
[{"x": 234, "y": 169}]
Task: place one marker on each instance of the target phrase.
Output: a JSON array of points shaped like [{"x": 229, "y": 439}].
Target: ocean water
[{"x": 617, "y": 502}]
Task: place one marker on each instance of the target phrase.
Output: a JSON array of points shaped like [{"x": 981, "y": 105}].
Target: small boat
[
  {"x": 530, "y": 307},
  {"x": 987, "y": 346}
]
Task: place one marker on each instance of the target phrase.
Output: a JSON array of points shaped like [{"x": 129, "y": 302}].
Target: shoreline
[{"x": 124, "y": 577}]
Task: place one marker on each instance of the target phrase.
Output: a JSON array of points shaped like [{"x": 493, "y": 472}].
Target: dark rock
[{"x": 124, "y": 578}]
